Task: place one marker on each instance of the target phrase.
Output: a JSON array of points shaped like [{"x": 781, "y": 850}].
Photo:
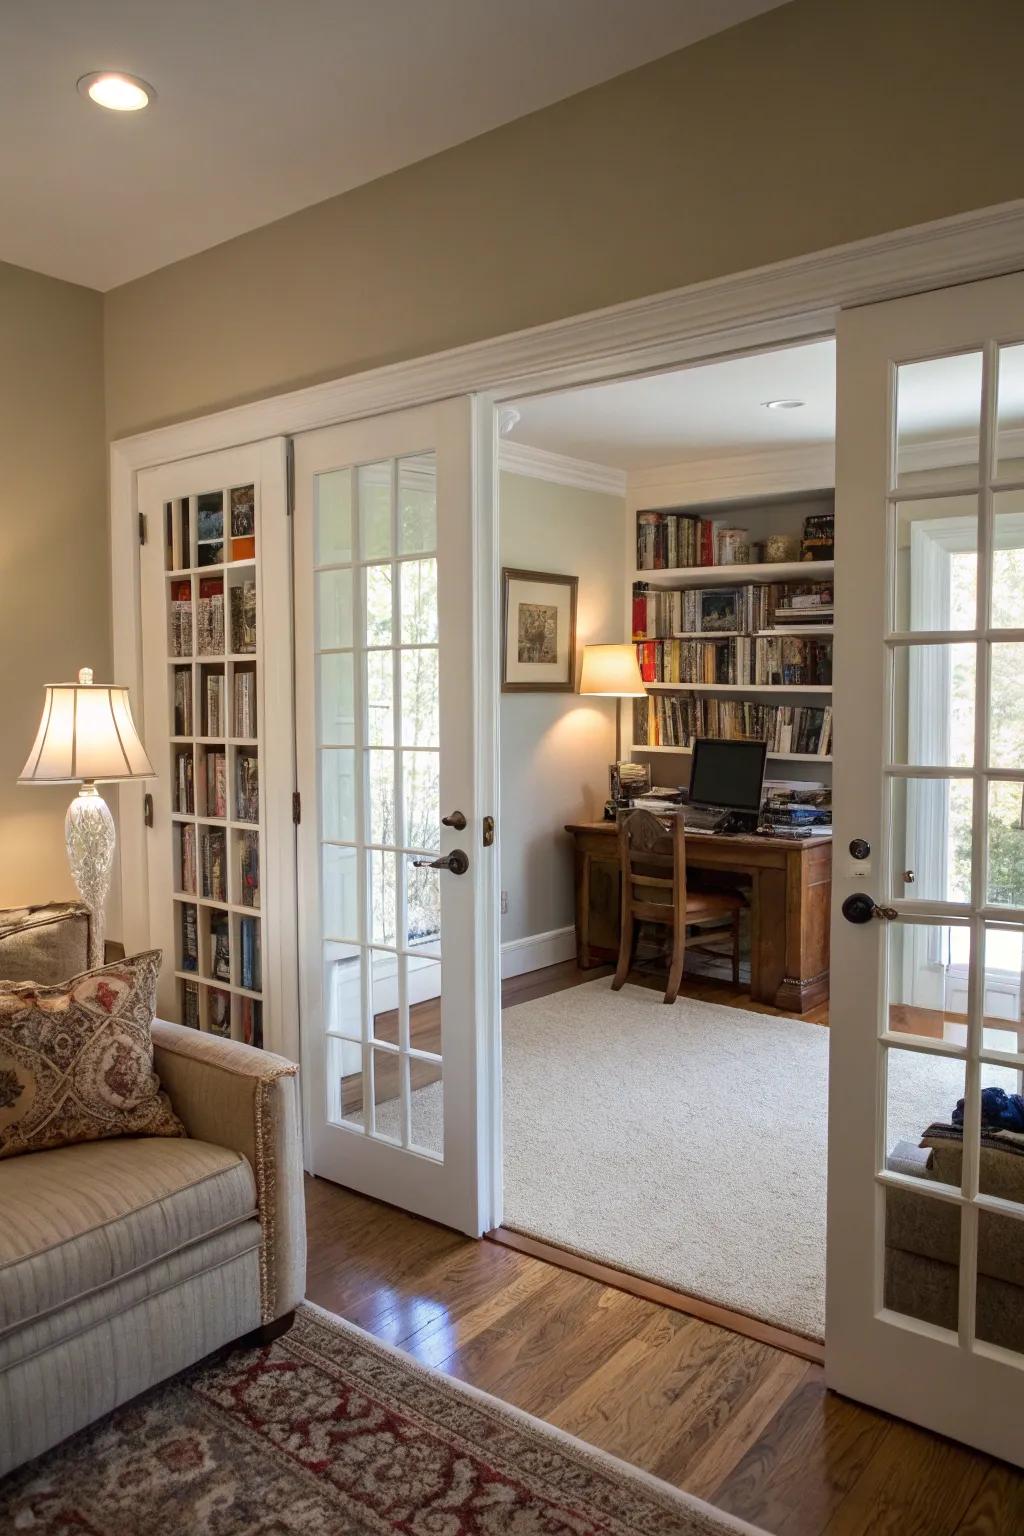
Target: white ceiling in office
[
  {"x": 266, "y": 108},
  {"x": 719, "y": 408}
]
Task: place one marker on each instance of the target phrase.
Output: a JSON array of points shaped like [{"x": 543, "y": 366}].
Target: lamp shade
[
  {"x": 612, "y": 671},
  {"x": 86, "y": 734}
]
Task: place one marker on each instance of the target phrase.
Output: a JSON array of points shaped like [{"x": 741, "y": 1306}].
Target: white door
[
  {"x": 925, "y": 1312},
  {"x": 391, "y": 678},
  {"x": 216, "y": 636}
]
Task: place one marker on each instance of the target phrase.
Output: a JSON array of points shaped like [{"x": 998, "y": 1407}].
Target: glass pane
[
  {"x": 423, "y": 929},
  {"x": 1006, "y": 709},
  {"x": 384, "y": 996},
  {"x": 333, "y": 609},
  {"x": 417, "y": 504},
  {"x": 382, "y": 798},
  {"x": 380, "y": 705},
  {"x": 1010, "y": 413},
  {"x": 931, "y": 839},
  {"x": 343, "y": 1006},
  {"x": 423, "y": 987},
  {"x": 341, "y": 894},
  {"x": 334, "y": 517},
  {"x": 426, "y": 1106},
  {"x": 999, "y": 1317},
  {"x": 921, "y": 1091},
  {"x": 346, "y": 1067},
  {"x": 387, "y": 1095},
  {"x": 375, "y": 511},
  {"x": 922, "y": 1258},
  {"x": 420, "y": 698},
  {"x": 1001, "y": 1164},
  {"x": 378, "y": 604},
  {"x": 1003, "y": 1028},
  {"x": 938, "y": 418},
  {"x": 928, "y": 972},
  {"x": 382, "y": 897},
  {"x": 1006, "y": 844},
  {"x": 421, "y": 787},
  {"x": 338, "y": 794},
  {"x": 937, "y": 563},
  {"x": 1008, "y": 559},
  {"x": 336, "y": 701},
  {"x": 933, "y": 705},
  {"x": 419, "y": 602}
]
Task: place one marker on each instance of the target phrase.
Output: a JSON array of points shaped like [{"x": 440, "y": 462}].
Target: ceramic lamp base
[{"x": 89, "y": 837}]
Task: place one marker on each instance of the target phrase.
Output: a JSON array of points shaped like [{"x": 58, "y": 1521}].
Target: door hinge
[
  {"x": 289, "y": 473},
  {"x": 296, "y": 807},
  {"x": 147, "y": 810},
  {"x": 488, "y": 831},
  {"x": 142, "y": 527}
]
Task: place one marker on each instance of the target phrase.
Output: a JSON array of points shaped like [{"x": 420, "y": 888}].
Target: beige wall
[
  {"x": 54, "y": 583},
  {"x": 556, "y": 747},
  {"x": 820, "y": 122}
]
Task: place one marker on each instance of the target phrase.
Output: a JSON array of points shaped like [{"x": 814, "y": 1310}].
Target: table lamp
[
  {"x": 612, "y": 672},
  {"x": 87, "y": 736}
]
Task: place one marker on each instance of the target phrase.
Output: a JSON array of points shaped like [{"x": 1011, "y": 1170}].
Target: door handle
[
  {"x": 456, "y": 820},
  {"x": 456, "y": 862},
  {"x": 861, "y": 908}
]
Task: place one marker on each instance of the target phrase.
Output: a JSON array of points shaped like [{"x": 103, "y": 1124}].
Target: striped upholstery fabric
[{"x": 76, "y": 1218}]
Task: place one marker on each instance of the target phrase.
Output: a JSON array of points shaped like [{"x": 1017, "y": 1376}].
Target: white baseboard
[{"x": 536, "y": 951}]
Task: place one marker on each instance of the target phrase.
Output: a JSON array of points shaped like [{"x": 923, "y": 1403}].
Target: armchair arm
[{"x": 236, "y": 1096}]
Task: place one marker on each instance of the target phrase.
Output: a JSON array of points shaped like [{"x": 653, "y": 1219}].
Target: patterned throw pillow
[{"x": 76, "y": 1060}]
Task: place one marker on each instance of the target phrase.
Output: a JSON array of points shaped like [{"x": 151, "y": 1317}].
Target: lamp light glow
[{"x": 115, "y": 91}]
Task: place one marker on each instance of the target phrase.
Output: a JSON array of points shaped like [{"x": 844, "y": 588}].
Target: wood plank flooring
[
  {"x": 746, "y": 1426},
  {"x": 732, "y": 1419}
]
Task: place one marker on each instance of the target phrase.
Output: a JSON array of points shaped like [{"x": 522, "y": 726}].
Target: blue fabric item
[{"x": 1000, "y": 1111}]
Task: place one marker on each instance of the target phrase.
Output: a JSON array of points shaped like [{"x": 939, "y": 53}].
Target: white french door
[
  {"x": 925, "y": 1314},
  {"x": 397, "y": 968}
]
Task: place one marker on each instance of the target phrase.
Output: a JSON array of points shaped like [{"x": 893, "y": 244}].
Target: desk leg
[
  {"x": 597, "y": 911},
  {"x": 768, "y": 936}
]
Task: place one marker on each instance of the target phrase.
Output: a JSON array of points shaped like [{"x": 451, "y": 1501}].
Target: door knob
[
  {"x": 861, "y": 908},
  {"x": 456, "y": 820},
  {"x": 456, "y": 861}
]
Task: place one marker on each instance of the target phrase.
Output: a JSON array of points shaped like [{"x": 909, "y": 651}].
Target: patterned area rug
[{"x": 329, "y": 1433}]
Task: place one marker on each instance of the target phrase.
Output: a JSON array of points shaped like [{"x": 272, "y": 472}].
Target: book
[
  {"x": 184, "y": 782},
  {"x": 245, "y": 702},
  {"x": 818, "y": 540},
  {"x": 189, "y": 939},
  {"x": 219, "y": 1012},
  {"x": 181, "y": 618},
  {"x": 214, "y": 725},
  {"x": 220, "y": 949},
  {"x": 243, "y": 618},
  {"x": 748, "y": 608},
  {"x": 251, "y": 963},
  {"x": 243, "y": 512},
  {"x": 216, "y": 784},
  {"x": 213, "y": 863},
  {"x": 247, "y": 787},
  {"x": 251, "y": 1018},
  {"x": 183, "y": 701},
  {"x": 250, "y": 869},
  {"x": 675, "y": 720},
  {"x": 209, "y": 516},
  {"x": 190, "y": 1004},
  {"x": 187, "y": 860},
  {"x": 210, "y": 617}
]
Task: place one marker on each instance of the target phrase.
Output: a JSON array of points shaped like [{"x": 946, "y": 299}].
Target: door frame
[{"x": 787, "y": 302}]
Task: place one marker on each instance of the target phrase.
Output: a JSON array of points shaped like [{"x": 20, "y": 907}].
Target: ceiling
[
  {"x": 693, "y": 413},
  {"x": 718, "y": 408},
  {"x": 265, "y": 108}
]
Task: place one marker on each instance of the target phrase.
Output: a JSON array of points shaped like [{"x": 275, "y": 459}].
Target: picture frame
[{"x": 538, "y": 650}]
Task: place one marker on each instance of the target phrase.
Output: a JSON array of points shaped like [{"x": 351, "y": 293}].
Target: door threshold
[{"x": 663, "y": 1295}]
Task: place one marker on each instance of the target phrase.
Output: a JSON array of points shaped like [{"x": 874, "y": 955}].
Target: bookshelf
[
  {"x": 218, "y": 704},
  {"x": 737, "y": 646}
]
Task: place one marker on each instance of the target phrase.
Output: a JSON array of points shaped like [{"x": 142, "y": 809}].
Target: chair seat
[{"x": 78, "y": 1219}]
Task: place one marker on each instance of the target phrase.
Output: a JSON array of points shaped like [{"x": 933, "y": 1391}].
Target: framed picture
[{"x": 539, "y": 635}]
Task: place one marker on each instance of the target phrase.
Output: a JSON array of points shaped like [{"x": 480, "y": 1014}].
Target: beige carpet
[{"x": 684, "y": 1144}]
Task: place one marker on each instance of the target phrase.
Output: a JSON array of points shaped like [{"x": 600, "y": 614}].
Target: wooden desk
[{"x": 790, "y": 889}]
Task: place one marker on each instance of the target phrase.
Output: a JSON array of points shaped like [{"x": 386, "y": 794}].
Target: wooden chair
[{"x": 652, "y": 857}]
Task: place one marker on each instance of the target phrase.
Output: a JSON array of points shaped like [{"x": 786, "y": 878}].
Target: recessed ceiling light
[
  {"x": 118, "y": 93},
  {"x": 783, "y": 405}
]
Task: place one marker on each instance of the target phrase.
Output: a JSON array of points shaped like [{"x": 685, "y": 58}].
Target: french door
[
  {"x": 925, "y": 1314},
  {"x": 396, "y": 943}
]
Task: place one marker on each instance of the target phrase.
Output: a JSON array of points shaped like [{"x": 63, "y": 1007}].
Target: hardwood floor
[{"x": 746, "y": 1426}]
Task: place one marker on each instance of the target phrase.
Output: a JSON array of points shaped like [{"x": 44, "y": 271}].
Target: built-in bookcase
[{"x": 214, "y": 555}]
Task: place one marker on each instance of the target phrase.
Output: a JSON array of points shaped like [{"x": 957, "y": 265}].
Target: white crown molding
[
  {"x": 785, "y": 302},
  {"x": 955, "y": 452},
  {"x": 729, "y": 477},
  {"x": 559, "y": 468}
]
